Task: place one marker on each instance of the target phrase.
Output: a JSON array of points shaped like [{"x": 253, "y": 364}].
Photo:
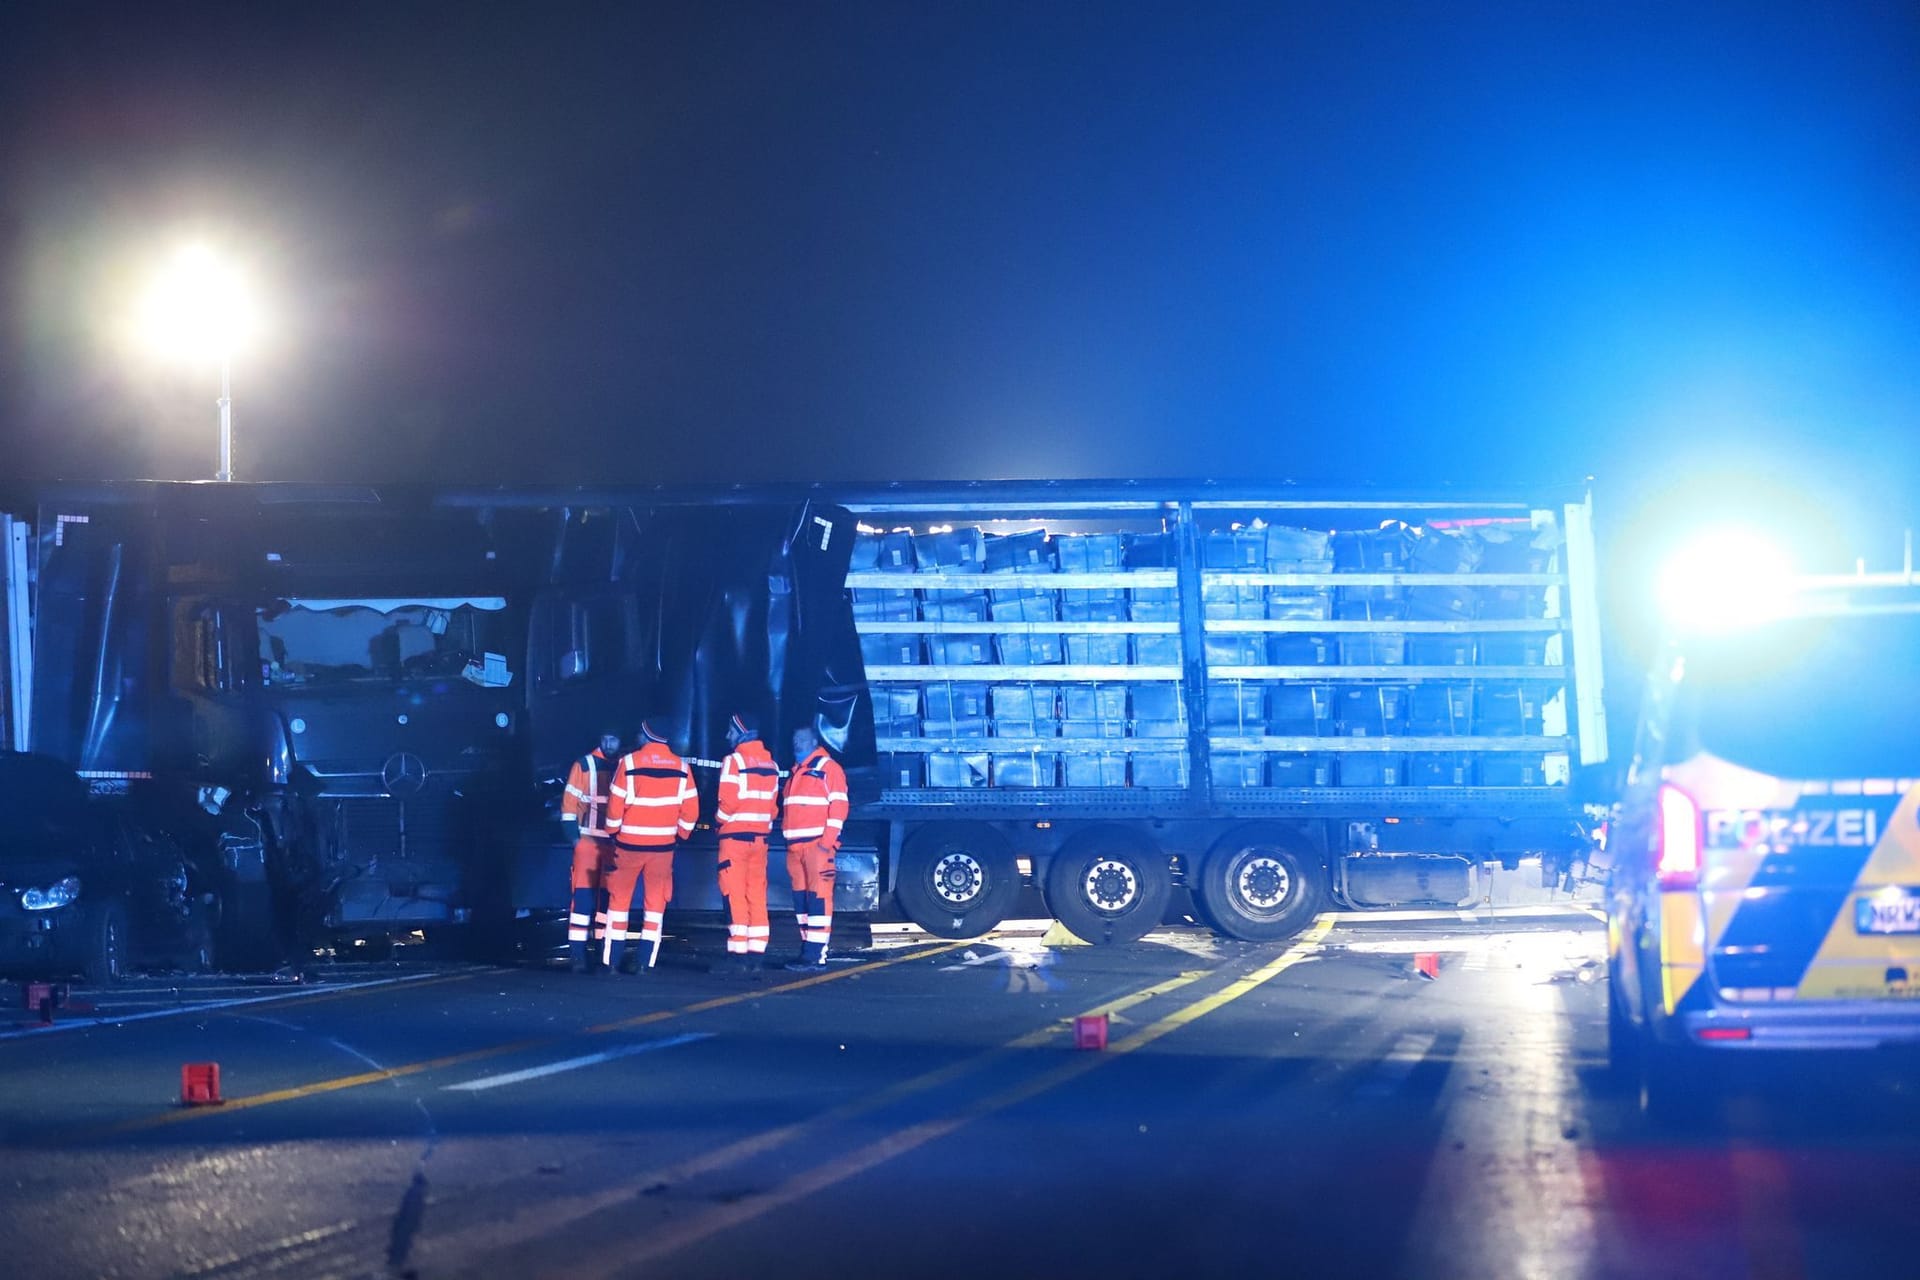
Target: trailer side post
[
  {"x": 1583, "y": 602},
  {"x": 19, "y": 633},
  {"x": 1193, "y": 640}
]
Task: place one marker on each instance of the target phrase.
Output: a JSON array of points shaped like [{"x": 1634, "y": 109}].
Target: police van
[{"x": 1765, "y": 893}]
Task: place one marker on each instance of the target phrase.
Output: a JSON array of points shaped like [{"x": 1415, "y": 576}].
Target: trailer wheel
[
  {"x": 1260, "y": 886},
  {"x": 1109, "y": 886},
  {"x": 957, "y": 879}
]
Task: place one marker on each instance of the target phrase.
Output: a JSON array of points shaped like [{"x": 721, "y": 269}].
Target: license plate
[{"x": 1889, "y": 911}]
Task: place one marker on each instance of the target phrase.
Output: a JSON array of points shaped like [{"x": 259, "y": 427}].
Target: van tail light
[{"x": 1678, "y": 840}]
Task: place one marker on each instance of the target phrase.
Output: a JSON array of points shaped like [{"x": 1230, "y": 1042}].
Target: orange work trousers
[
  {"x": 743, "y": 883},
  {"x": 587, "y": 915},
  {"x": 652, "y": 875},
  {"x": 811, "y": 868}
]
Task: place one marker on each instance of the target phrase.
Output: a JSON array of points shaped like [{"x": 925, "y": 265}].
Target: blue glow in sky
[{"x": 1400, "y": 243}]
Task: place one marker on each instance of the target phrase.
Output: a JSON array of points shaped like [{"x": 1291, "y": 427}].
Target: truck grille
[{"x": 381, "y": 827}]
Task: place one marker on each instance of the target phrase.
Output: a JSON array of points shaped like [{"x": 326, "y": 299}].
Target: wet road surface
[{"x": 1318, "y": 1108}]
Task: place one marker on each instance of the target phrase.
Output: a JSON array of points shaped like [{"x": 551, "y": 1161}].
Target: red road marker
[
  {"x": 200, "y": 1084},
  {"x": 1090, "y": 1031},
  {"x": 1427, "y": 964}
]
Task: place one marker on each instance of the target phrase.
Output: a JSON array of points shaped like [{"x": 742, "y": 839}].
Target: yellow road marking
[
  {"x": 674, "y": 1237},
  {"x": 549, "y": 1216},
  {"x": 179, "y": 1114}
]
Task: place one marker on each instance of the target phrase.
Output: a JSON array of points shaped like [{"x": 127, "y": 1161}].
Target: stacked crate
[
  {"x": 1075, "y": 733},
  {"x": 890, "y": 553},
  {"x": 1294, "y": 709},
  {"x": 1448, "y": 636},
  {"x": 1095, "y": 715},
  {"x": 1243, "y": 704},
  {"x": 1466, "y": 705},
  {"x": 1483, "y": 707},
  {"x": 1024, "y": 711}
]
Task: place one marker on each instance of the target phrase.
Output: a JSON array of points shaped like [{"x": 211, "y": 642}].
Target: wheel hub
[
  {"x": 958, "y": 878},
  {"x": 1111, "y": 885},
  {"x": 1263, "y": 882}
]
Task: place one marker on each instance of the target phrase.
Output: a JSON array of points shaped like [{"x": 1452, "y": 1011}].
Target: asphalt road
[{"x": 1319, "y": 1109}]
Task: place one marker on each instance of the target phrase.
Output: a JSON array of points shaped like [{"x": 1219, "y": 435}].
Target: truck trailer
[{"x": 1275, "y": 698}]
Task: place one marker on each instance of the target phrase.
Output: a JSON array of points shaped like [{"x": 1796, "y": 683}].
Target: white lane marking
[
  {"x": 574, "y": 1064},
  {"x": 1408, "y": 1052},
  {"x": 1405, "y": 946},
  {"x": 42, "y": 1030},
  {"x": 885, "y": 934},
  {"x": 1478, "y": 915}
]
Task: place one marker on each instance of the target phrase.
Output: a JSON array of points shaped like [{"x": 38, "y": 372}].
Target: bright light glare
[
  {"x": 1679, "y": 837},
  {"x": 199, "y": 306},
  {"x": 1726, "y": 579}
]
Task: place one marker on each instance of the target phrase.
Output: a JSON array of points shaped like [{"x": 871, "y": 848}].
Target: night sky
[{"x": 1674, "y": 247}]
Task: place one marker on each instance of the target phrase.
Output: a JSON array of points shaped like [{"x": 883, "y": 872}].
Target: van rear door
[{"x": 1803, "y": 750}]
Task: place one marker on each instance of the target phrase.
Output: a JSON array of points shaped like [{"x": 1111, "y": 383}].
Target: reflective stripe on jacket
[
  {"x": 652, "y": 805},
  {"x": 588, "y": 788},
  {"x": 749, "y": 791},
  {"x": 816, "y": 807}
]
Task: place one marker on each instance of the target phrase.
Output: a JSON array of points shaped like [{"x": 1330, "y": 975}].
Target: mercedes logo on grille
[{"x": 404, "y": 774}]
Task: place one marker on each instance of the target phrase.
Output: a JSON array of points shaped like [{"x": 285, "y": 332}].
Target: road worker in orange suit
[
  {"x": 651, "y": 808},
  {"x": 585, "y": 806},
  {"x": 811, "y": 820},
  {"x": 749, "y": 802}
]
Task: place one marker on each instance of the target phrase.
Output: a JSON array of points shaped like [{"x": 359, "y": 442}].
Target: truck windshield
[
  {"x": 1809, "y": 698},
  {"x": 316, "y": 642}
]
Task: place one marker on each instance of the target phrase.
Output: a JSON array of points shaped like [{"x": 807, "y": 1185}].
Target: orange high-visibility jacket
[
  {"x": 816, "y": 807},
  {"x": 653, "y": 804},
  {"x": 588, "y": 788},
  {"x": 749, "y": 791}
]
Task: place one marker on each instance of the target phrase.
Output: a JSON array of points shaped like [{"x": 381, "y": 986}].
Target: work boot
[
  {"x": 577, "y": 957},
  {"x": 805, "y": 966},
  {"x": 629, "y": 963}
]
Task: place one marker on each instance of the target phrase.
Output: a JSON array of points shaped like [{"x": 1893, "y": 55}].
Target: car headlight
[{"x": 59, "y": 894}]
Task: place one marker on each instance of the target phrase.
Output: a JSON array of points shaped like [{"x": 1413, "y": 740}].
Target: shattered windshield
[{"x": 309, "y": 643}]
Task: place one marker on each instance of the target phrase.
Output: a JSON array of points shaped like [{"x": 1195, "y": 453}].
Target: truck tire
[
  {"x": 1109, "y": 886},
  {"x": 105, "y": 960},
  {"x": 1260, "y": 885},
  {"x": 957, "y": 879}
]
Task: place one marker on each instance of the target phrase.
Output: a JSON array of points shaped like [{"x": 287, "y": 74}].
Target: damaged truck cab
[{"x": 361, "y": 698}]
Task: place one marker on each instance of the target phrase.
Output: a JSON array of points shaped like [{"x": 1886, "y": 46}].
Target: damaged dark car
[{"x": 91, "y": 885}]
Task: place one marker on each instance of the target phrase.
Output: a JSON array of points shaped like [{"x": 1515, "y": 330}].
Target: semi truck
[
  {"x": 355, "y": 704},
  {"x": 1258, "y": 699},
  {"x": 1274, "y": 698}
]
